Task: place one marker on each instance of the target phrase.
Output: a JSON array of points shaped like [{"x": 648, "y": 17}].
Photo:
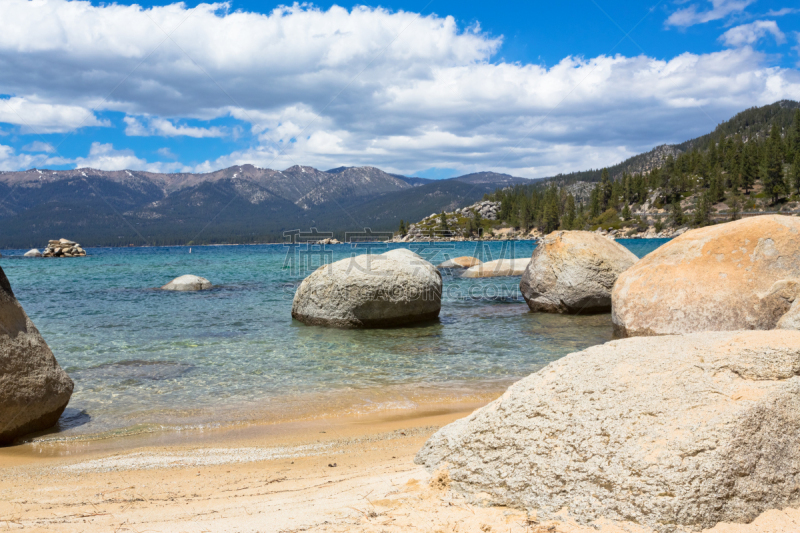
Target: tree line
[{"x": 758, "y": 168}]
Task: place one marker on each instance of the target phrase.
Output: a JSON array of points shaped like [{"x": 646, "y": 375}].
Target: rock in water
[
  {"x": 187, "y": 283},
  {"x": 499, "y": 267},
  {"x": 460, "y": 262},
  {"x": 574, "y": 272},
  {"x": 34, "y": 390},
  {"x": 734, "y": 276},
  {"x": 666, "y": 431},
  {"x": 33, "y": 253},
  {"x": 402, "y": 253},
  {"x": 370, "y": 291}
]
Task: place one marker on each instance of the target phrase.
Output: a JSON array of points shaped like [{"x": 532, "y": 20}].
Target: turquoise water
[{"x": 146, "y": 360}]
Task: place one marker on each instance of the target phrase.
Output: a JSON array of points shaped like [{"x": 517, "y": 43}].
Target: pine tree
[
  {"x": 568, "y": 221},
  {"x": 794, "y": 146},
  {"x": 444, "y": 225},
  {"x": 702, "y": 212},
  {"x": 736, "y": 206},
  {"x": 796, "y": 173},
  {"x": 594, "y": 203},
  {"x": 772, "y": 170},
  {"x": 606, "y": 189},
  {"x": 402, "y": 230},
  {"x": 677, "y": 214},
  {"x": 749, "y": 169},
  {"x": 626, "y": 212}
]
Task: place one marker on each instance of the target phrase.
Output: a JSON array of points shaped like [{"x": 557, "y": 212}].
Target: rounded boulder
[
  {"x": 34, "y": 389},
  {"x": 574, "y": 272},
  {"x": 370, "y": 291},
  {"x": 677, "y": 433},
  {"x": 733, "y": 276},
  {"x": 187, "y": 283}
]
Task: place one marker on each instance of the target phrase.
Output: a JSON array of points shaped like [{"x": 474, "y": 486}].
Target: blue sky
[{"x": 427, "y": 88}]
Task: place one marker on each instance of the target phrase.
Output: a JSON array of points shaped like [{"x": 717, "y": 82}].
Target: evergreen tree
[
  {"x": 794, "y": 141},
  {"x": 772, "y": 170},
  {"x": 749, "y": 170},
  {"x": 677, "y": 214},
  {"x": 444, "y": 225},
  {"x": 568, "y": 221},
  {"x": 795, "y": 175},
  {"x": 702, "y": 211},
  {"x": 626, "y": 212},
  {"x": 402, "y": 230},
  {"x": 736, "y": 206},
  {"x": 594, "y": 203},
  {"x": 606, "y": 189}
]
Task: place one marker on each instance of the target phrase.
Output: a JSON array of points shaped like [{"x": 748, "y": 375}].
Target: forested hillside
[{"x": 750, "y": 164}]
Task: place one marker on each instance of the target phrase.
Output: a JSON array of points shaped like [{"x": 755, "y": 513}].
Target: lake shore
[{"x": 336, "y": 474}]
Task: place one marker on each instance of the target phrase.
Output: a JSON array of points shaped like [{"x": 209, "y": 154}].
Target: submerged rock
[
  {"x": 734, "y": 276},
  {"x": 34, "y": 390},
  {"x": 574, "y": 272},
  {"x": 460, "y": 262},
  {"x": 33, "y": 253},
  {"x": 499, "y": 267},
  {"x": 187, "y": 283},
  {"x": 672, "y": 431},
  {"x": 368, "y": 291}
]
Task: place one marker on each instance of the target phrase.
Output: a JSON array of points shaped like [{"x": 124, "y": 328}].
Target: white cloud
[
  {"x": 166, "y": 152},
  {"x": 749, "y": 34},
  {"x": 164, "y": 128},
  {"x": 783, "y": 11},
  {"x": 105, "y": 157},
  {"x": 41, "y": 117},
  {"x": 10, "y": 160},
  {"x": 689, "y": 16},
  {"x": 39, "y": 146},
  {"x": 366, "y": 87}
]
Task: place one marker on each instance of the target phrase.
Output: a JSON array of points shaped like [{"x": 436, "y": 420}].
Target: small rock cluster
[
  {"x": 63, "y": 248},
  {"x": 487, "y": 209}
]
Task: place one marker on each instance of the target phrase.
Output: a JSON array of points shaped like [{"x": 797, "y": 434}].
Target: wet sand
[{"x": 337, "y": 475}]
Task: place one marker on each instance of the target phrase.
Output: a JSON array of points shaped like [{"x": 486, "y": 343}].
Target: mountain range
[
  {"x": 237, "y": 204},
  {"x": 245, "y": 204}
]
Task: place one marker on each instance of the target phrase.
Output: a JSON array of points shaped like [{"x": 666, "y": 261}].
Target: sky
[{"x": 430, "y": 88}]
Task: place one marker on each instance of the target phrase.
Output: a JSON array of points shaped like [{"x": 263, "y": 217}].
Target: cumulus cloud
[
  {"x": 164, "y": 128},
  {"x": 689, "y": 16},
  {"x": 10, "y": 160},
  {"x": 105, "y": 157},
  {"x": 42, "y": 117},
  {"x": 749, "y": 34},
  {"x": 39, "y": 146},
  {"x": 366, "y": 86}
]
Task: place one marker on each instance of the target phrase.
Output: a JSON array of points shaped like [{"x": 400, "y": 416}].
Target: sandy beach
[{"x": 342, "y": 474}]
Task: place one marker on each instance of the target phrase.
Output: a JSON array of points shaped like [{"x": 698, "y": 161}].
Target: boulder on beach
[
  {"x": 370, "y": 291},
  {"x": 680, "y": 431},
  {"x": 499, "y": 267},
  {"x": 33, "y": 253},
  {"x": 460, "y": 262},
  {"x": 187, "y": 283},
  {"x": 734, "y": 276},
  {"x": 574, "y": 272},
  {"x": 34, "y": 390}
]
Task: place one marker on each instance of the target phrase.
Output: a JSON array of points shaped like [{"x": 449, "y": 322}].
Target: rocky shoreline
[{"x": 58, "y": 248}]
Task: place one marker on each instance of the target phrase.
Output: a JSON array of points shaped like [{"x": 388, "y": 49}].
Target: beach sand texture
[{"x": 268, "y": 479}]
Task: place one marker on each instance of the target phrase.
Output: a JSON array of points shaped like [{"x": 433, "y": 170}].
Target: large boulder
[
  {"x": 34, "y": 390},
  {"x": 734, "y": 276},
  {"x": 34, "y": 252},
  {"x": 187, "y": 282},
  {"x": 498, "y": 267},
  {"x": 465, "y": 261},
  {"x": 675, "y": 432},
  {"x": 370, "y": 291},
  {"x": 573, "y": 272}
]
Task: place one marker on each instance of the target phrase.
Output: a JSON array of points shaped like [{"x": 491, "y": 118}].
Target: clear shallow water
[{"x": 144, "y": 360}]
